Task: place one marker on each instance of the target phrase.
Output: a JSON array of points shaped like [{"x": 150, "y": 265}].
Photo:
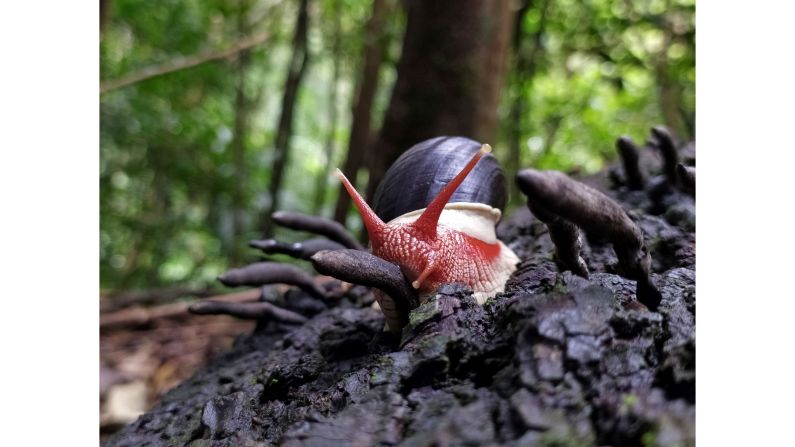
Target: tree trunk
[
  {"x": 242, "y": 105},
  {"x": 322, "y": 180},
  {"x": 374, "y": 47},
  {"x": 450, "y": 76},
  {"x": 297, "y": 67},
  {"x": 670, "y": 96},
  {"x": 104, "y": 14},
  {"x": 524, "y": 68}
]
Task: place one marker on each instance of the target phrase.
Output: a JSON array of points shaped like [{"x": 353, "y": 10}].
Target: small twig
[
  {"x": 665, "y": 142},
  {"x": 687, "y": 178},
  {"x": 248, "y": 311},
  {"x": 181, "y": 64},
  {"x": 115, "y": 301},
  {"x": 567, "y": 239},
  {"x": 261, "y": 273},
  {"x": 594, "y": 212},
  {"x": 301, "y": 250},
  {"x": 629, "y": 159},
  {"x": 317, "y": 225},
  {"x": 361, "y": 267},
  {"x": 140, "y": 316}
]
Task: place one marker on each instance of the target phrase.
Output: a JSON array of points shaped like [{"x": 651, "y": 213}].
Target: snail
[
  {"x": 433, "y": 221},
  {"x": 434, "y": 215}
]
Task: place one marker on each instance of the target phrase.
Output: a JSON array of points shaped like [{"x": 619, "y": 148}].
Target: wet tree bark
[
  {"x": 362, "y": 111},
  {"x": 450, "y": 75},
  {"x": 556, "y": 359},
  {"x": 297, "y": 67}
]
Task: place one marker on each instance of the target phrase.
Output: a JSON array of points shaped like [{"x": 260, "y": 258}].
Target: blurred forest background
[{"x": 216, "y": 112}]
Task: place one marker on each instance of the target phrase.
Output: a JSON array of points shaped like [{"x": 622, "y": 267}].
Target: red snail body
[{"x": 435, "y": 215}]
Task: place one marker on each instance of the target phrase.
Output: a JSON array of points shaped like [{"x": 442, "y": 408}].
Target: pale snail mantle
[{"x": 479, "y": 221}]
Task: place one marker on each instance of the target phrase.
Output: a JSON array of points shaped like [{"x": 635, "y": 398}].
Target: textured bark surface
[{"x": 555, "y": 360}]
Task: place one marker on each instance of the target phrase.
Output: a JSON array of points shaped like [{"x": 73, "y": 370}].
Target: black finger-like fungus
[
  {"x": 299, "y": 250},
  {"x": 247, "y": 311},
  {"x": 687, "y": 178},
  {"x": 261, "y": 273},
  {"x": 360, "y": 267},
  {"x": 628, "y": 152},
  {"x": 594, "y": 212},
  {"x": 317, "y": 225},
  {"x": 667, "y": 147},
  {"x": 567, "y": 239}
]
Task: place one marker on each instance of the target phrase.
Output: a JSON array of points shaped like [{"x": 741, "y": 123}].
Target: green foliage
[
  {"x": 170, "y": 187},
  {"x": 167, "y": 177},
  {"x": 602, "y": 69}
]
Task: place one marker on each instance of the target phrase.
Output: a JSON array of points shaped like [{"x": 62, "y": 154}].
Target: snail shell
[{"x": 421, "y": 172}]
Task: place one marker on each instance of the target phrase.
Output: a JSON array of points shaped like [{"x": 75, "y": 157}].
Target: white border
[
  {"x": 745, "y": 94},
  {"x": 49, "y": 243}
]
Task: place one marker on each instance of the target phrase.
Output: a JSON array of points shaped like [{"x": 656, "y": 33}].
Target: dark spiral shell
[{"x": 421, "y": 172}]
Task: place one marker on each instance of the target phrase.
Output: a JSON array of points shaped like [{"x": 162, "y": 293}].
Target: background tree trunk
[
  {"x": 322, "y": 180},
  {"x": 359, "y": 140},
  {"x": 450, "y": 76},
  {"x": 104, "y": 13},
  {"x": 297, "y": 67},
  {"x": 238, "y": 144},
  {"x": 524, "y": 68}
]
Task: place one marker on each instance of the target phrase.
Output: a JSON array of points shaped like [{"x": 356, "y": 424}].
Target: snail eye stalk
[
  {"x": 373, "y": 223},
  {"x": 427, "y": 222}
]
